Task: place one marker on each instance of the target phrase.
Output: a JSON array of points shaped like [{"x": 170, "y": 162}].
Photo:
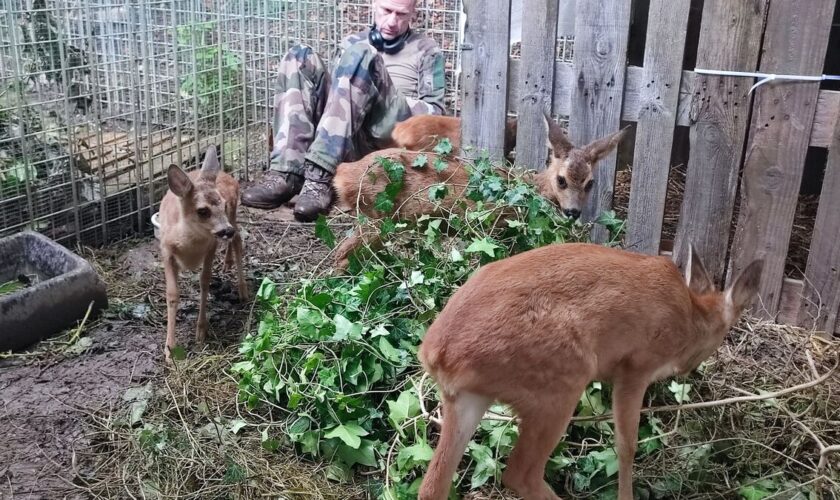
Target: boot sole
[{"x": 263, "y": 206}]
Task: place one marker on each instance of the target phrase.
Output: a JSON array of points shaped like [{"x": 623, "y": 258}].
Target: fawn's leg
[
  {"x": 204, "y": 284},
  {"x": 359, "y": 237},
  {"x": 461, "y": 416},
  {"x": 342, "y": 254},
  {"x": 236, "y": 243},
  {"x": 543, "y": 420},
  {"x": 170, "y": 269},
  {"x": 230, "y": 250},
  {"x": 628, "y": 396},
  {"x": 229, "y": 257}
]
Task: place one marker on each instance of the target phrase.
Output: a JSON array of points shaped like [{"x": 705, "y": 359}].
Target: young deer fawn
[
  {"x": 422, "y": 132},
  {"x": 197, "y": 213},
  {"x": 534, "y": 329},
  {"x": 566, "y": 181}
]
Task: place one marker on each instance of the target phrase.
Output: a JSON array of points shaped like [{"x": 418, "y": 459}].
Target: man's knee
[
  {"x": 357, "y": 54},
  {"x": 299, "y": 52}
]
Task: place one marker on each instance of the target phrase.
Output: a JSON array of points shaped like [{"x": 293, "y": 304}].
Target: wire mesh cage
[{"x": 99, "y": 97}]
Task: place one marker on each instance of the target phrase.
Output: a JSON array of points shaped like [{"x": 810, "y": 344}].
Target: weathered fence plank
[
  {"x": 821, "y": 293},
  {"x": 826, "y": 118},
  {"x": 601, "y": 32},
  {"x": 795, "y": 42},
  {"x": 561, "y": 101},
  {"x": 484, "y": 98},
  {"x": 720, "y": 112},
  {"x": 536, "y": 82},
  {"x": 666, "y": 31}
]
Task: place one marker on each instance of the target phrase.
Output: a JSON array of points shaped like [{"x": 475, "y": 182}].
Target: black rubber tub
[{"x": 44, "y": 289}]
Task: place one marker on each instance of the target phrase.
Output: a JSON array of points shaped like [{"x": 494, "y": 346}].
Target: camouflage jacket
[{"x": 417, "y": 70}]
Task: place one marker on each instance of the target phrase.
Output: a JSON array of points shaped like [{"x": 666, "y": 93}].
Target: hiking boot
[
  {"x": 273, "y": 190},
  {"x": 316, "y": 196}
]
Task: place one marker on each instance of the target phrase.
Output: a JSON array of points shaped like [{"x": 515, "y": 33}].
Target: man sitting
[{"x": 382, "y": 76}]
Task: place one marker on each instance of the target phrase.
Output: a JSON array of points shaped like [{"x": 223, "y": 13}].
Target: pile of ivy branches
[{"x": 338, "y": 354}]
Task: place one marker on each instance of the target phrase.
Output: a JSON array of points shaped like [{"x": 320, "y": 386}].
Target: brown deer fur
[
  {"x": 534, "y": 329},
  {"x": 196, "y": 213},
  {"x": 422, "y": 133},
  {"x": 566, "y": 180}
]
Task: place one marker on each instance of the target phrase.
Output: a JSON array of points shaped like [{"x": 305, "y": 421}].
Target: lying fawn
[
  {"x": 422, "y": 132},
  {"x": 566, "y": 181},
  {"x": 534, "y": 329},
  {"x": 197, "y": 212}
]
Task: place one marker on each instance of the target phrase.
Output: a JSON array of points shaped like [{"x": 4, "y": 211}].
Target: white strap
[{"x": 765, "y": 77}]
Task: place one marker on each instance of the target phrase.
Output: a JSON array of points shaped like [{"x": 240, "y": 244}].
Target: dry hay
[
  {"x": 193, "y": 440},
  {"x": 800, "y": 237}
]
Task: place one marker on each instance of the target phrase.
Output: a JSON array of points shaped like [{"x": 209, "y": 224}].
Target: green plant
[
  {"x": 216, "y": 80},
  {"x": 339, "y": 352}
]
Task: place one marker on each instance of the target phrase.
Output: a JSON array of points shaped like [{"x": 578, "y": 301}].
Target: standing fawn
[
  {"x": 534, "y": 329},
  {"x": 566, "y": 181},
  {"x": 197, "y": 213}
]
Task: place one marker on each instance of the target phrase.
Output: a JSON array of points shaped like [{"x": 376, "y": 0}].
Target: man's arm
[{"x": 431, "y": 86}]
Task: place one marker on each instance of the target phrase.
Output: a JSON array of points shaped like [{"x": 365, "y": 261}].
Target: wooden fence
[{"x": 746, "y": 146}]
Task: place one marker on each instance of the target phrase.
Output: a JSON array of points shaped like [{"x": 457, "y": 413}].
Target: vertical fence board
[
  {"x": 660, "y": 92},
  {"x": 566, "y": 18},
  {"x": 601, "y": 32},
  {"x": 536, "y": 82},
  {"x": 821, "y": 294},
  {"x": 795, "y": 42},
  {"x": 730, "y": 35},
  {"x": 485, "y": 65}
]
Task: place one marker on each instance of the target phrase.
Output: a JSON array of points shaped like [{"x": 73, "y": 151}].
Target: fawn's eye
[
  {"x": 561, "y": 181},
  {"x": 588, "y": 186},
  {"x": 203, "y": 212}
]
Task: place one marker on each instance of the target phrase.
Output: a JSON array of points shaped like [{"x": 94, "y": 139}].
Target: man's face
[{"x": 393, "y": 16}]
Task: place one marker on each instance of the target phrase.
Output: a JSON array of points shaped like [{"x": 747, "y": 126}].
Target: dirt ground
[{"x": 47, "y": 392}]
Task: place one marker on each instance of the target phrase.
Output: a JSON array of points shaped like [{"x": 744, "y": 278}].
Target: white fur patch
[
  {"x": 688, "y": 271},
  {"x": 728, "y": 307}
]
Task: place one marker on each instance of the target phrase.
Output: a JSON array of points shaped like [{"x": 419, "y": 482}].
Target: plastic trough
[{"x": 64, "y": 285}]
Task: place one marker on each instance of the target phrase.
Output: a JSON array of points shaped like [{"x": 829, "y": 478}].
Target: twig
[
  {"x": 180, "y": 415},
  {"x": 824, "y": 450},
  {"x": 690, "y": 406},
  {"x": 812, "y": 364},
  {"x": 722, "y": 402}
]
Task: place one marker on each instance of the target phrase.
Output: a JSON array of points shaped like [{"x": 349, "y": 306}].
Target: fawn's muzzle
[{"x": 225, "y": 233}]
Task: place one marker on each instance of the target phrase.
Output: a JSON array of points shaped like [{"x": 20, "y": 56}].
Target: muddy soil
[{"x": 47, "y": 391}]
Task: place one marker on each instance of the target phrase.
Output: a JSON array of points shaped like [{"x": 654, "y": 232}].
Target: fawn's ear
[
  {"x": 745, "y": 287},
  {"x": 598, "y": 149},
  {"x": 556, "y": 139},
  {"x": 210, "y": 168},
  {"x": 179, "y": 182},
  {"x": 696, "y": 276}
]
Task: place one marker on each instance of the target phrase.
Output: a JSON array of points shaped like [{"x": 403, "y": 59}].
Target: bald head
[{"x": 392, "y": 17}]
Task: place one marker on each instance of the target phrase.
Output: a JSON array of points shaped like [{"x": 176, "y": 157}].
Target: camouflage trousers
[{"x": 330, "y": 118}]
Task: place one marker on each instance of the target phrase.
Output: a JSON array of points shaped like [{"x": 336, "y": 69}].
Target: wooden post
[
  {"x": 795, "y": 42},
  {"x": 730, "y": 36},
  {"x": 485, "y": 65},
  {"x": 821, "y": 293},
  {"x": 601, "y": 31},
  {"x": 659, "y": 97},
  {"x": 536, "y": 82}
]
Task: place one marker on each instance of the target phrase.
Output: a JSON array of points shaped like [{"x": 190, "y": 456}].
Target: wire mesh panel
[{"x": 99, "y": 97}]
